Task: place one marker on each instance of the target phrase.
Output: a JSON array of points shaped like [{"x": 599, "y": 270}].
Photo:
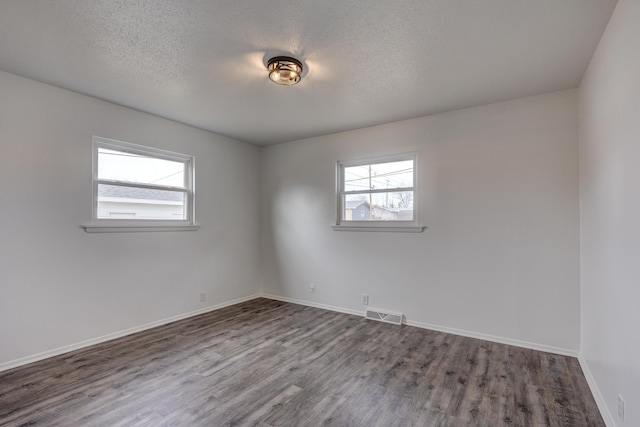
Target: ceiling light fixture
[{"x": 284, "y": 70}]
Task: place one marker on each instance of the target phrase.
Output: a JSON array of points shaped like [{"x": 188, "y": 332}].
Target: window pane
[
  {"x": 123, "y": 166},
  {"x": 388, "y": 206},
  {"x": 356, "y": 178},
  {"x": 118, "y": 202},
  {"x": 379, "y": 176}
]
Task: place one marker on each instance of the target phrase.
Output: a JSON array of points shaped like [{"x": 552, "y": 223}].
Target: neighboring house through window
[
  {"x": 377, "y": 191},
  {"x": 138, "y": 185}
]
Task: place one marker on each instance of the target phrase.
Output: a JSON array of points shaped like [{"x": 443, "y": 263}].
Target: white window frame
[
  {"x": 373, "y": 225},
  {"x": 106, "y": 225}
]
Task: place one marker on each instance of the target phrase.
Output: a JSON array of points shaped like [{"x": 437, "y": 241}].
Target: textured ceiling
[{"x": 202, "y": 62}]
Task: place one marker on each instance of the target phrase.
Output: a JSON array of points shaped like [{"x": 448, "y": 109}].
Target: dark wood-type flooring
[{"x": 270, "y": 363}]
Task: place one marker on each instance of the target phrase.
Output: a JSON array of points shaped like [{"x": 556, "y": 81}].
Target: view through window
[
  {"x": 133, "y": 182},
  {"x": 377, "y": 190}
]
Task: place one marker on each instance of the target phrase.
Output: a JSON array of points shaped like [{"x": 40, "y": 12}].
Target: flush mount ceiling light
[{"x": 284, "y": 70}]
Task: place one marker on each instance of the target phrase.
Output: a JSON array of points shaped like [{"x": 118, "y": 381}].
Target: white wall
[
  {"x": 610, "y": 215},
  {"x": 59, "y": 285},
  {"x": 498, "y": 191}
]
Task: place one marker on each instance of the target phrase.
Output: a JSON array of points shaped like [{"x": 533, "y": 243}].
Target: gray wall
[
  {"x": 610, "y": 216},
  {"x": 498, "y": 190},
  {"x": 59, "y": 285}
]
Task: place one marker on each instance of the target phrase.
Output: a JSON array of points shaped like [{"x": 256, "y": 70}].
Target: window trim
[
  {"x": 107, "y": 225},
  {"x": 376, "y": 225}
]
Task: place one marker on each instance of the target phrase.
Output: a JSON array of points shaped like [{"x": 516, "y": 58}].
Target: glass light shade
[{"x": 284, "y": 70}]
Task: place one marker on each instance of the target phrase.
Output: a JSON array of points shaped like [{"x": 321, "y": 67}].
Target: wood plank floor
[{"x": 270, "y": 363}]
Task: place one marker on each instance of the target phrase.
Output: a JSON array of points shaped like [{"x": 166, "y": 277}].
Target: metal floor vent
[{"x": 384, "y": 316}]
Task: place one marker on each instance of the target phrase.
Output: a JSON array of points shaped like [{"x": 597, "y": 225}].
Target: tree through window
[{"x": 380, "y": 189}]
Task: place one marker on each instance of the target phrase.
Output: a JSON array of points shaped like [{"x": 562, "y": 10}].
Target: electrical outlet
[
  {"x": 620, "y": 407},
  {"x": 365, "y": 299},
  {"x": 312, "y": 288},
  {"x": 203, "y": 297}
]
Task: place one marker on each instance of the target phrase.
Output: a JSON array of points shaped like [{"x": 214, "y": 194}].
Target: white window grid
[
  {"x": 188, "y": 189},
  {"x": 341, "y": 193}
]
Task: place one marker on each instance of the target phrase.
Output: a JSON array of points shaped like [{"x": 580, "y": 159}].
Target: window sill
[
  {"x": 101, "y": 228},
  {"x": 380, "y": 228}
]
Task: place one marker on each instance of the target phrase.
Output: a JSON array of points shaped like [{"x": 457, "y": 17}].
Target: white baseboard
[
  {"x": 76, "y": 346},
  {"x": 595, "y": 390},
  {"x": 486, "y": 337},
  {"x": 313, "y": 304},
  {"x": 500, "y": 340},
  {"x": 79, "y": 345}
]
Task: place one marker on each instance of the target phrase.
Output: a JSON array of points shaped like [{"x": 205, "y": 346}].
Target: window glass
[
  {"x": 140, "y": 203},
  {"x": 379, "y": 176},
  {"x": 130, "y": 167},
  {"x": 137, "y": 184},
  {"x": 377, "y": 190}
]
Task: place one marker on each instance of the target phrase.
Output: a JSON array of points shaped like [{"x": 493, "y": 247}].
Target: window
[
  {"x": 137, "y": 188},
  {"x": 377, "y": 194}
]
